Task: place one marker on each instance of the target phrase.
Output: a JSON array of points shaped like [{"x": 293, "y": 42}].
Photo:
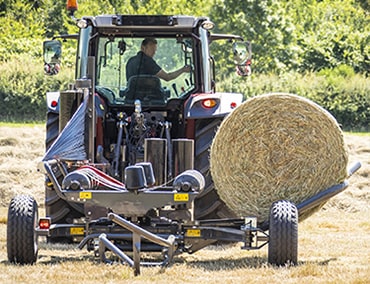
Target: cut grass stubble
[{"x": 334, "y": 243}]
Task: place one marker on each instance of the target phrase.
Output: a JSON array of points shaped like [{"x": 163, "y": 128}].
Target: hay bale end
[{"x": 273, "y": 147}]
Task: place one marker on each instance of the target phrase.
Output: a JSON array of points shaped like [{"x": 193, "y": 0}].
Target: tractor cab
[
  {"x": 124, "y": 74},
  {"x": 115, "y": 39}
]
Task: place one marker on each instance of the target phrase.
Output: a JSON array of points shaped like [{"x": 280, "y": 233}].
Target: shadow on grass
[
  {"x": 225, "y": 264},
  {"x": 75, "y": 256},
  {"x": 55, "y": 259},
  {"x": 48, "y": 259},
  {"x": 319, "y": 263}
]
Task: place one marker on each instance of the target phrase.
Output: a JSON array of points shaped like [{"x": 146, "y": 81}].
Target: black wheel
[
  {"x": 60, "y": 211},
  {"x": 208, "y": 204},
  {"x": 283, "y": 234},
  {"x": 22, "y": 242}
]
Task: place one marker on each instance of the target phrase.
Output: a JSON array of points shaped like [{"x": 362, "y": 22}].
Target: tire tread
[{"x": 21, "y": 239}]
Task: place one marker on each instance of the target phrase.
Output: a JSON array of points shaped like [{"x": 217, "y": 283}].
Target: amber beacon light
[{"x": 72, "y": 6}]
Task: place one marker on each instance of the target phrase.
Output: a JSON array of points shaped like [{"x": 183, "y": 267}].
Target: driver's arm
[{"x": 172, "y": 75}]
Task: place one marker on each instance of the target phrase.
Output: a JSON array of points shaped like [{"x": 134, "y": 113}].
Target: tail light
[
  {"x": 44, "y": 223},
  {"x": 209, "y": 103}
]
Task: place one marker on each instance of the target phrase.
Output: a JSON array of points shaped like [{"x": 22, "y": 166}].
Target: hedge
[
  {"x": 342, "y": 92},
  {"x": 23, "y": 86}
]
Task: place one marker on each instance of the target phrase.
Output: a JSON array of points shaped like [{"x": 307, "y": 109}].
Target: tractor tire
[
  {"x": 22, "y": 241},
  {"x": 208, "y": 204},
  {"x": 60, "y": 211},
  {"x": 52, "y": 128},
  {"x": 283, "y": 234}
]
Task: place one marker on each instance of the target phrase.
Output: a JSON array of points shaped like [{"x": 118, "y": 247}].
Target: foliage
[
  {"x": 317, "y": 49},
  {"x": 263, "y": 22},
  {"x": 301, "y": 35},
  {"x": 23, "y": 87},
  {"x": 17, "y": 35},
  {"x": 343, "y": 93},
  {"x": 336, "y": 32}
]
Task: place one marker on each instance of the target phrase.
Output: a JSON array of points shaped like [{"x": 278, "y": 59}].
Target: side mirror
[
  {"x": 52, "y": 50},
  {"x": 242, "y": 52}
]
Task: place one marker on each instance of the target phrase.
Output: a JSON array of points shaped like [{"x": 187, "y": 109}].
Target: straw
[{"x": 273, "y": 147}]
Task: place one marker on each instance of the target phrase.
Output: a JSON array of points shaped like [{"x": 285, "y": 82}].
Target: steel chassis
[{"x": 169, "y": 237}]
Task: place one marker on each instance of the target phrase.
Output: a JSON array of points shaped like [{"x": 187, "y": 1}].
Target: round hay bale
[{"x": 273, "y": 147}]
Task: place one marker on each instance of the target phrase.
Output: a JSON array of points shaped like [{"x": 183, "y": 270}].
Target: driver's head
[{"x": 149, "y": 46}]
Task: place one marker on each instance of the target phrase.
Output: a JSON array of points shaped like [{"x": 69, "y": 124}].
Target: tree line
[{"x": 301, "y": 37}]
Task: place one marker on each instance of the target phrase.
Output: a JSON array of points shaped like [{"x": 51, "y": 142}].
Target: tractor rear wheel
[
  {"x": 208, "y": 204},
  {"x": 283, "y": 234},
  {"x": 60, "y": 211},
  {"x": 22, "y": 241},
  {"x": 52, "y": 128}
]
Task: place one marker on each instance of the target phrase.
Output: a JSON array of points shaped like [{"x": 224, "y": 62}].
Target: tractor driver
[{"x": 144, "y": 64}]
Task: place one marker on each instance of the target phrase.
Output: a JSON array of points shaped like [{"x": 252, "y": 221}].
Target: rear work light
[
  {"x": 44, "y": 223},
  {"x": 209, "y": 103}
]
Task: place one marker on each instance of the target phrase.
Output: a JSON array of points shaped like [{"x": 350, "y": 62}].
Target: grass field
[{"x": 334, "y": 243}]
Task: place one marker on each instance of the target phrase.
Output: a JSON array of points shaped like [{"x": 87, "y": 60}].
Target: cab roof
[{"x": 146, "y": 22}]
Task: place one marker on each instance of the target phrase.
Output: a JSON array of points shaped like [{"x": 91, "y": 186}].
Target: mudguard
[
  {"x": 52, "y": 101},
  {"x": 222, "y": 104}
]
